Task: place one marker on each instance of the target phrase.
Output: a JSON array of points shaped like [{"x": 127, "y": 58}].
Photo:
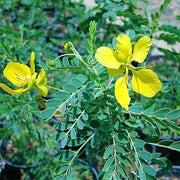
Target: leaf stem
[
  {"x": 75, "y": 122},
  {"x": 57, "y": 89},
  {"x": 77, "y": 152}
]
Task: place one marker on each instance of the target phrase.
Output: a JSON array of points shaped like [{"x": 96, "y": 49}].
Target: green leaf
[
  {"x": 133, "y": 134},
  {"x": 160, "y": 121},
  {"x": 85, "y": 116},
  {"x": 139, "y": 143},
  {"x": 148, "y": 177},
  {"x": 131, "y": 123},
  {"x": 53, "y": 103},
  {"x": 102, "y": 116},
  {"x": 61, "y": 177},
  {"x": 170, "y": 54},
  {"x": 42, "y": 65},
  {"x": 122, "y": 149},
  {"x": 75, "y": 62},
  {"x": 170, "y": 29},
  {"x": 69, "y": 117},
  {"x": 76, "y": 82},
  {"x": 73, "y": 133},
  {"x": 76, "y": 110},
  {"x": 161, "y": 112},
  {"x": 172, "y": 125},
  {"x": 122, "y": 171},
  {"x": 90, "y": 50},
  {"x": 136, "y": 109},
  {"x": 145, "y": 155},
  {"x": 69, "y": 172},
  {"x": 131, "y": 34},
  {"x": 108, "y": 163},
  {"x": 75, "y": 142},
  {"x": 105, "y": 126},
  {"x": 89, "y": 42},
  {"x": 94, "y": 141},
  {"x": 70, "y": 88},
  {"x": 36, "y": 34},
  {"x": 92, "y": 29},
  {"x": 164, "y": 5},
  {"x": 48, "y": 113},
  {"x": 160, "y": 161},
  {"x": 153, "y": 120},
  {"x": 132, "y": 16},
  {"x": 156, "y": 155},
  {"x": 61, "y": 169},
  {"x": 65, "y": 62},
  {"x": 169, "y": 144},
  {"x": 108, "y": 152},
  {"x": 64, "y": 141},
  {"x": 142, "y": 174},
  {"x": 175, "y": 146},
  {"x": 173, "y": 115},
  {"x": 166, "y": 142},
  {"x": 62, "y": 95},
  {"x": 149, "y": 170},
  {"x": 65, "y": 155},
  {"x": 122, "y": 138},
  {"x": 80, "y": 124},
  {"x": 117, "y": 1},
  {"x": 125, "y": 160},
  {"x": 170, "y": 39},
  {"x": 114, "y": 43},
  {"x": 57, "y": 137},
  {"x": 63, "y": 126},
  {"x": 109, "y": 173},
  {"x": 82, "y": 78}
]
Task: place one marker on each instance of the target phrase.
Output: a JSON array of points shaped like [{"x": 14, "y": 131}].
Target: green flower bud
[
  {"x": 68, "y": 47},
  {"x": 52, "y": 63}
]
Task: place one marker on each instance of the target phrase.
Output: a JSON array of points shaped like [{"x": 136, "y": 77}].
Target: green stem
[
  {"x": 78, "y": 56},
  {"x": 5, "y": 51},
  {"x": 75, "y": 122},
  {"x": 132, "y": 144},
  {"x": 70, "y": 97},
  {"x": 63, "y": 56},
  {"x": 160, "y": 145},
  {"x": 145, "y": 67},
  {"x": 110, "y": 81},
  {"x": 57, "y": 89},
  {"x": 115, "y": 155},
  {"x": 18, "y": 103},
  {"x": 77, "y": 152}
]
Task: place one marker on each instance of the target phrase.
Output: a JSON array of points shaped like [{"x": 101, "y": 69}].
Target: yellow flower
[
  {"x": 144, "y": 81},
  {"x": 24, "y": 77}
]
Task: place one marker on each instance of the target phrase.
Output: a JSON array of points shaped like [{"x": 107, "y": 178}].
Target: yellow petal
[
  {"x": 141, "y": 49},
  {"x": 146, "y": 82},
  {"x": 41, "y": 82},
  {"x": 107, "y": 57},
  {"x": 11, "y": 91},
  {"x": 32, "y": 65},
  {"x": 123, "y": 47},
  {"x": 17, "y": 73},
  {"x": 42, "y": 79},
  {"x": 42, "y": 90},
  {"x": 32, "y": 80},
  {"x": 121, "y": 91},
  {"x": 116, "y": 72}
]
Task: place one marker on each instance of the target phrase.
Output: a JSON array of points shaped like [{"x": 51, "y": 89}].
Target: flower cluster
[
  {"x": 24, "y": 77},
  {"x": 144, "y": 81}
]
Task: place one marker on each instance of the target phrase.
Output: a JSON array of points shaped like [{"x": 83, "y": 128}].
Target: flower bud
[
  {"x": 52, "y": 63},
  {"x": 68, "y": 47}
]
